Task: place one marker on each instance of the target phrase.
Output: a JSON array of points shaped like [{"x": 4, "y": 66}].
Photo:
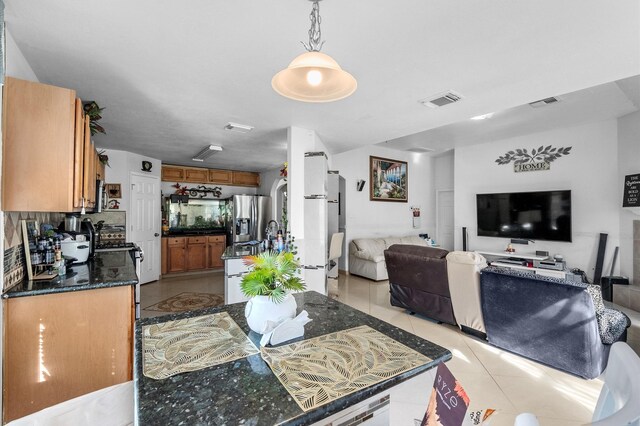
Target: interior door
[
  {"x": 145, "y": 223},
  {"x": 444, "y": 219}
]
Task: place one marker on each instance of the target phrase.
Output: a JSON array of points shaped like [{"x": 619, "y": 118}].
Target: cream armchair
[{"x": 463, "y": 270}]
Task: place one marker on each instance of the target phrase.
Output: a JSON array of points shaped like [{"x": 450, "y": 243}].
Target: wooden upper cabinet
[
  {"x": 100, "y": 170},
  {"x": 173, "y": 173},
  {"x": 38, "y": 149},
  {"x": 213, "y": 176},
  {"x": 194, "y": 175},
  {"x": 88, "y": 164},
  {"x": 246, "y": 178},
  {"x": 222, "y": 177},
  {"x": 78, "y": 156}
]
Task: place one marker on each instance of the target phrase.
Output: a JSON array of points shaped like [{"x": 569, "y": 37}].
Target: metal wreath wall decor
[{"x": 536, "y": 160}]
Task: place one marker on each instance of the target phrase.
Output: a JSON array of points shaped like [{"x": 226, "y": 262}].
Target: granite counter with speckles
[
  {"x": 238, "y": 251},
  {"x": 106, "y": 269},
  {"x": 246, "y": 391}
]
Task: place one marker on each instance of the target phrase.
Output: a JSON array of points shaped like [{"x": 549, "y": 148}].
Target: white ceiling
[{"x": 172, "y": 74}]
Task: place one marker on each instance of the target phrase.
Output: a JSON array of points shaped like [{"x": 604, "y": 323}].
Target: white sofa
[{"x": 366, "y": 255}]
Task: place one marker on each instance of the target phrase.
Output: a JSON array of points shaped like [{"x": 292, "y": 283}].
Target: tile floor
[{"x": 492, "y": 378}]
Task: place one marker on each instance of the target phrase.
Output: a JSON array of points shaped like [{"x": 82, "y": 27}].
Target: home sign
[{"x": 537, "y": 159}]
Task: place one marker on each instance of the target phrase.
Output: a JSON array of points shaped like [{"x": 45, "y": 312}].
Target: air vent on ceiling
[
  {"x": 420, "y": 150},
  {"x": 544, "y": 102},
  {"x": 442, "y": 99}
]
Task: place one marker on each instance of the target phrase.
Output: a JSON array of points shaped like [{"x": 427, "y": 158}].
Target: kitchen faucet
[{"x": 271, "y": 231}]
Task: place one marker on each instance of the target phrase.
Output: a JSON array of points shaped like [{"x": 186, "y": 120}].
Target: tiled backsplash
[
  {"x": 14, "y": 261},
  {"x": 109, "y": 217}
]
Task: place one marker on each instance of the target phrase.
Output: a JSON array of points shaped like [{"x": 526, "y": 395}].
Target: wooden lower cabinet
[
  {"x": 176, "y": 254},
  {"x": 215, "y": 249},
  {"x": 63, "y": 345},
  {"x": 196, "y": 253},
  {"x": 182, "y": 254},
  {"x": 163, "y": 256}
]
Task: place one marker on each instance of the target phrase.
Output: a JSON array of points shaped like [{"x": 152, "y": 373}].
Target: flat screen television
[{"x": 544, "y": 215}]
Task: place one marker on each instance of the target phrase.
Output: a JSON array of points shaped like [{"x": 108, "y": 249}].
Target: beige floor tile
[
  {"x": 498, "y": 361},
  {"x": 395, "y": 316},
  {"x": 483, "y": 391},
  {"x": 442, "y": 334},
  {"x": 545, "y": 397}
]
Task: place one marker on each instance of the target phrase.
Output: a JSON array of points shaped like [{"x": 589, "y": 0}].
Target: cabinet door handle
[{"x": 156, "y": 235}]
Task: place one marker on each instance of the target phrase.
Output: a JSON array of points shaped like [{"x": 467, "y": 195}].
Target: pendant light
[{"x": 314, "y": 76}]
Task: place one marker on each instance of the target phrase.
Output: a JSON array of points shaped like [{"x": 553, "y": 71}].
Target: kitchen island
[
  {"x": 245, "y": 391},
  {"x": 234, "y": 269},
  {"x": 70, "y": 335}
]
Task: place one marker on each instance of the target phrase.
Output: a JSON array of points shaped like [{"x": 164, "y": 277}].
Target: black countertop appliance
[{"x": 87, "y": 228}]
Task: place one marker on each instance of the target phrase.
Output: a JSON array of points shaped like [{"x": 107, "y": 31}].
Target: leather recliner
[{"x": 418, "y": 281}]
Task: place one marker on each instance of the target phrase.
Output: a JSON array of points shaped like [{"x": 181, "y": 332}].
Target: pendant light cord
[{"x": 315, "y": 34}]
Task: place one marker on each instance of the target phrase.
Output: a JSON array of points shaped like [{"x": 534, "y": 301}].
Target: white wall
[
  {"x": 628, "y": 164},
  {"x": 589, "y": 171},
  {"x": 365, "y": 218},
  {"x": 121, "y": 165},
  {"x": 267, "y": 181},
  {"x": 17, "y": 65}
]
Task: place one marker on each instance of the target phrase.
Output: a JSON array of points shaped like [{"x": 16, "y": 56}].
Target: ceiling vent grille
[
  {"x": 544, "y": 102},
  {"x": 442, "y": 99}
]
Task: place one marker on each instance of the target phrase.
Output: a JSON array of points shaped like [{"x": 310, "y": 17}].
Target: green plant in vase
[
  {"x": 269, "y": 283},
  {"x": 272, "y": 274}
]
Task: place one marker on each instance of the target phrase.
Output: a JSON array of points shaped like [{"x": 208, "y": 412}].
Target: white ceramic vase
[{"x": 261, "y": 309}]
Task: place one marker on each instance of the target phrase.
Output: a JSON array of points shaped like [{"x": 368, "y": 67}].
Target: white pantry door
[
  {"x": 145, "y": 223},
  {"x": 444, "y": 220}
]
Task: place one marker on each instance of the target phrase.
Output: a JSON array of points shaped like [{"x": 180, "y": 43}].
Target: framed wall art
[
  {"x": 113, "y": 190},
  {"x": 388, "y": 180}
]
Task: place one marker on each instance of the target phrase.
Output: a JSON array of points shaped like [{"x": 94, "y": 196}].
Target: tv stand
[
  {"x": 520, "y": 261},
  {"x": 513, "y": 255}
]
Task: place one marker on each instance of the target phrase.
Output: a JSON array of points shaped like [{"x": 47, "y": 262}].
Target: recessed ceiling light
[
  {"x": 420, "y": 150},
  {"x": 240, "y": 128},
  {"x": 483, "y": 116}
]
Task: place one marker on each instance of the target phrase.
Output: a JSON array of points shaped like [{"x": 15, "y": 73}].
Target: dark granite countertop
[
  {"x": 237, "y": 251},
  {"x": 245, "y": 391},
  {"x": 106, "y": 269}
]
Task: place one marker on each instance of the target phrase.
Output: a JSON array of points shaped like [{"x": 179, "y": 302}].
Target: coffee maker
[{"x": 87, "y": 228}]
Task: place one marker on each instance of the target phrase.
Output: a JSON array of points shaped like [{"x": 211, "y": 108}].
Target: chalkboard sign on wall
[{"x": 631, "y": 191}]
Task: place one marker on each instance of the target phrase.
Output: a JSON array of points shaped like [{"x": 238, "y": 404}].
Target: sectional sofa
[
  {"x": 366, "y": 255},
  {"x": 553, "y": 321}
]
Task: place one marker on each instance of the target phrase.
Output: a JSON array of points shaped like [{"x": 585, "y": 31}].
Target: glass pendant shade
[{"x": 314, "y": 77}]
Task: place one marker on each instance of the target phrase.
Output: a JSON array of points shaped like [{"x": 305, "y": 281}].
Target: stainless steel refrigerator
[{"x": 248, "y": 217}]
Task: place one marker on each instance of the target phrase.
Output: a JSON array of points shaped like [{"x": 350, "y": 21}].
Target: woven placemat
[
  {"x": 191, "y": 344},
  {"x": 325, "y": 368}
]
